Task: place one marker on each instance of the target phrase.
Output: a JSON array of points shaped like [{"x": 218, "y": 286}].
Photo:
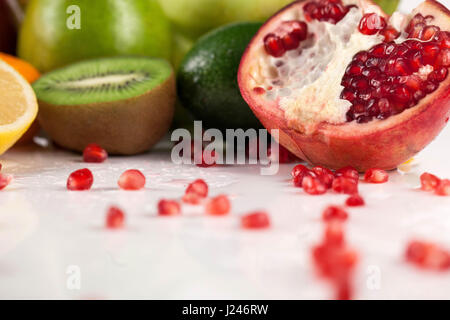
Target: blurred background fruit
[
  {"x": 10, "y": 17},
  {"x": 207, "y": 78},
  {"x": 196, "y": 17},
  {"x": 30, "y": 74},
  {"x": 49, "y": 37}
]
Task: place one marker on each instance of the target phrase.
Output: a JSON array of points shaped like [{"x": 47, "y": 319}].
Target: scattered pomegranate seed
[
  {"x": 255, "y": 220},
  {"x": 198, "y": 187},
  {"x": 429, "y": 182},
  {"x": 348, "y": 172},
  {"x": 196, "y": 192},
  {"x": 334, "y": 213},
  {"x": 5, "y": 180},
  {"x": 299, "y": 173},
  {"x": 168, "y": 208},
  {"x": 94, "y": 153},
  {"x": 115, "y": 218},
  {"x": 335, "y": 261},
  {"x": 371, "y": 24},
  {"x": 345, "y": 185},
  {"x": 298, "y": 170},
  {"x": 428, "y": 256},
  {"x": 355, "y": 201},
  {"x": 313, "y": 186},
  {"x": 326, "y": 176},
  {"x": 80, "y": 180},
  {"x": 443, "y": 189},
  {"x": 132, "y": 180},
  {"x": 376, "y": 176},
  {"x": 218, "y": 206}
]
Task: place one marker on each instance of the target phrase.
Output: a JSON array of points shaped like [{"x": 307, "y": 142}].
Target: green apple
[
  {"x": 58, "y": 32},
  {"x": 196, "y": 17}
]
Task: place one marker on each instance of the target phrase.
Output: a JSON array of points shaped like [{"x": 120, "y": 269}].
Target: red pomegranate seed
[
  {"x": 390, "y": 34},
  {"x": 371, "y": 24},
  {"x": 196, "y": 192},
  {"x": 115, "y": 218},
  {"x": 80, "y": 180},
  {"x": 355, "y": 201},
  {"x": 132, "y": 180},
  {"x": 429, "y": 182},
  {"x": 428, "y": 256},
  {"x": 274, "y": 45},
  {"x": 326, "y": 176},
  {"x": 255, "y": 220},
  {"x": 443, "y": 189},
  {"x": 348, "y": 172},
  {"x": 198, "y": 187},
  {"x": 5, "y": 180},
  {"x": 334, "y": 213},
  {"x": 94, "y": 153},
  {"x": 168, "y": 208},
  {"x": 218, "y": 206},
  {"x": 376, "y": 176},
  {"x": 313, "y": 186},
  {"x": 299, "y": 170},
  {"x": 334, "y": 234},
  {"x": 345, "y": 185}
]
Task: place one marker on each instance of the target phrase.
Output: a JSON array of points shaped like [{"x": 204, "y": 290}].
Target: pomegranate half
[{"x": 348, "y": 85}]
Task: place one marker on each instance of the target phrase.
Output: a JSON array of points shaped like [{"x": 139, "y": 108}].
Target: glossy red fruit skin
[
  {"x": 80, "y": 180},
  {"x": 93, "y": 153},
  {"x": 115, "y": 218},
  {"x": 168, "y": 208},
  {"x": 218, "y": 206},
  {"x": 255, "y": 221},
  {"x": 132, "y": 180},
  {"x": 385, "y": 144}
]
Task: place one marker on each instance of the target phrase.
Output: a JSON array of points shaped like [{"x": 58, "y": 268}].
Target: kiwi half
[{"x": 124, "y": 104}]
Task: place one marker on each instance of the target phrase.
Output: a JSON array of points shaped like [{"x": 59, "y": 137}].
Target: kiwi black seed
[{"x": 124, "y": 104}]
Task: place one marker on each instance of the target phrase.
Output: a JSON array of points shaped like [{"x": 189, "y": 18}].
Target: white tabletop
[{"x": 49, "y": 236}]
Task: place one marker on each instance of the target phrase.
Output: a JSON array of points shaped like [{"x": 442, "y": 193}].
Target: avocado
[{"x": 207, "y": 78}]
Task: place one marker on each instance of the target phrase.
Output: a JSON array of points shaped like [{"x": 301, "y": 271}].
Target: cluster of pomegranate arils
[
  {"x": 392, "y": 77},
  {"x": 333, "y": 258},
  {"x": 431, "y": 183},
  {"x": 290, "y": 34},
  {"x": 319, "y": 180}
]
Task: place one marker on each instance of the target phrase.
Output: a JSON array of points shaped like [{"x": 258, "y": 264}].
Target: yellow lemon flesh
[{"x": 18, "y": 106}]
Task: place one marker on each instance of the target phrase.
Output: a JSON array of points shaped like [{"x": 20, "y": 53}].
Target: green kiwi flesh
[{"x": 124, "y": 104}]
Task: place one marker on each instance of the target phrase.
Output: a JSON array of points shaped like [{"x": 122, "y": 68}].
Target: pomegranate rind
[{"x": 384, "y": 144}]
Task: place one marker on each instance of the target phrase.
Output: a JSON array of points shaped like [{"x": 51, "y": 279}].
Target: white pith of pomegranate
[{"x": 360, "y": 89}]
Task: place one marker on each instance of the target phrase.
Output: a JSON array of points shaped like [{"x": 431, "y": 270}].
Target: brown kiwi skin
[{"x": 124, "y": 127}]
